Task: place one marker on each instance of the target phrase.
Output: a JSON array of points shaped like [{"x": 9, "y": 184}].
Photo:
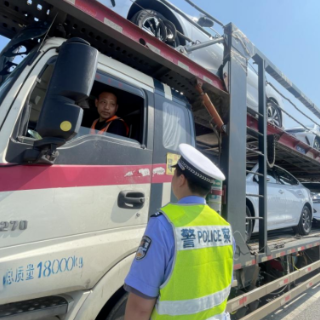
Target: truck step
[{"x": 35, "y": 309}]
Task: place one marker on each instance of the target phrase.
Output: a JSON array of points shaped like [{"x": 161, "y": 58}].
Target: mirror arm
[
  {"x": 44, "y": 151},
  {"x": 204, "y": 44}
]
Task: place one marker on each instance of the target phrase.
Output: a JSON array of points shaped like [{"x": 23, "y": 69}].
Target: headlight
[{"x": 315, "y": 197}]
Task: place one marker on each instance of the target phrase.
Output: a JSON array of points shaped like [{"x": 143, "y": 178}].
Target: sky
[{"x": 286, "y": 31}]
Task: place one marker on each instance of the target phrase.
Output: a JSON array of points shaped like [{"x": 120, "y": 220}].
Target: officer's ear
[{"x": 182, "y": 180}]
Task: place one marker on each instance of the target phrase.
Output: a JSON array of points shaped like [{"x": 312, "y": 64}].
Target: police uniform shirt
[{"x": 153, "y": 266}]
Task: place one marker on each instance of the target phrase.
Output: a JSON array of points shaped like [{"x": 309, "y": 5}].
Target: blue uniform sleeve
[{"x": 153, "y": 258}]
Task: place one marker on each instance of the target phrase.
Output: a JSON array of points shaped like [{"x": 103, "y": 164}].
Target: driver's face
[{"x": 107, "y": 105}]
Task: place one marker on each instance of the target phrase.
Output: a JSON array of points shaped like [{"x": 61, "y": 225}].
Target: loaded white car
[
  {"x": 309, "y": 135},
  {"x": 162, "y": 21},
  {"x": 289, "y": 203},
  {"x": 314, "y": 188}
]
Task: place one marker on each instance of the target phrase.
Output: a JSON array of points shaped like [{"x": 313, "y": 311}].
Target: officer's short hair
[{"x": 194, "y": 185}]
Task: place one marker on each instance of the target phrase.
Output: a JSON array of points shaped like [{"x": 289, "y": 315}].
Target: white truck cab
[{"x": 75, "y": 207}]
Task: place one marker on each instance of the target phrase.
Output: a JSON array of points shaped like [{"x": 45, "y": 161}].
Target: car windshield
[
  {"x": 310, "y": 126},
  {"x": 250, "y": 166}
]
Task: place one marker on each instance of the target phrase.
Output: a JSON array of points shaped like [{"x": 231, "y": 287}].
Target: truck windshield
[
  {"x": 6, "y": 85},
  {"x": 16, "y": 54}
]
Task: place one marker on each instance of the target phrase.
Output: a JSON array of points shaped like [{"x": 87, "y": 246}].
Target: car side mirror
[
  {"x": 70, "y": 84},
  {"x": 205, "y": 22}
]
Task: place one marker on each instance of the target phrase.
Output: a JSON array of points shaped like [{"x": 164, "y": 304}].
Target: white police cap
[{"x": 198, "y": 165}]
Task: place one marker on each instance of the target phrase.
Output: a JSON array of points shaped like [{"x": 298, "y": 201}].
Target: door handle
[
  {"x": 131, "y": 200},
  {"x": 281, "y": 191}
]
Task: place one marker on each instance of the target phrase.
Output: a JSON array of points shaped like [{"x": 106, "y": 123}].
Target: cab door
[
  {"x": 87, "y": 211},
  {"x": 173, "y": 125}
]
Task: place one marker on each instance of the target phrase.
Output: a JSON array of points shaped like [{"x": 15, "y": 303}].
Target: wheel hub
[
  {"x": 306, "y": 221},
  {"x": 274, "y": 116}
]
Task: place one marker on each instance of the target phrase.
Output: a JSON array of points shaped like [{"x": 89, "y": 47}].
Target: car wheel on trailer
[
  {"x": 157, "y": 25},
  {"x": 305, "y": 223},
  {"x": 117, "y": 312},
  {"x": 316, "y": 144},
  {"x": 249, "y": 224},
  {"x": 274, "y": 114}
]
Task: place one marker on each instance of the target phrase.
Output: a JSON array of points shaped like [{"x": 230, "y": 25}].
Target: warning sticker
[{"x": 172, "y": 159}]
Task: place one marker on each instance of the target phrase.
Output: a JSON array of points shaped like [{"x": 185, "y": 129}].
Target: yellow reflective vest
[{"x": 200, "y": 281}]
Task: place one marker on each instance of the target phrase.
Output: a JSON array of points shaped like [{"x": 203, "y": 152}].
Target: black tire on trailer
[
  {"x": 172, "y": 37},
  {"x": 271, "y": 150},
  {"x": 117, "y": 312},
  {"x": 305, "y": 223},
  {"x": 249, "y": 224},
  {"x": 274, "y": 113},
  {"x": 156, "y": 24},
  {"x": 316, "y": 143}
]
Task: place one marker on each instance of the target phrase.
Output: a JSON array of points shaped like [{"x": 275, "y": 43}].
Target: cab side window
[
  {"x": 174, "y": 126},
  {"x": 131, "y": 107},
  {"x": 130, "y": 111}
]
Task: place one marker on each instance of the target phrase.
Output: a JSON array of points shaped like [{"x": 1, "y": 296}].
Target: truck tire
[
  {"x": 156, "y": 24},
  {"x": 249, "y": 224},
  {"x": 274, "y": 113},
  {"x": 305, "y": 223},
  {"x": 271, "y": 150},
  {"x": 117, "y": 312}
]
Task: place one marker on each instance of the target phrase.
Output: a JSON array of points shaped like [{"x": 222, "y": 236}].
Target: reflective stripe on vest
[
  {"x": 200, "y": 279},
  {"x": 105, "y": 129},
  {"x": 174, "y": 308}
]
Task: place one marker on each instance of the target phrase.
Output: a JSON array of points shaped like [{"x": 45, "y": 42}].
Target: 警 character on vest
[
  {"x": 108, "y": 121},
  {"x": 184, "y": 265}
]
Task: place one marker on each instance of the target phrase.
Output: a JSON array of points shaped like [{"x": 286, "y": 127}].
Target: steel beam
[
  {"x": 282, "y": 300},
  {"x": 262, "y": 144},
  {"x": 233, "y": 157},
  {"x": 254, "y": 295}
]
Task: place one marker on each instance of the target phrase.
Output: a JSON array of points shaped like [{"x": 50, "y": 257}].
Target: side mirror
[
  {"x": 205, "y": 22},
  {"x": 60, "y": 117},
  {"x": 71, "y": 83}
]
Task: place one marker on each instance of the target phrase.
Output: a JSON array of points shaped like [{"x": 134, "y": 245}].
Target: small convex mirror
[{"x": 205, "y": 22}]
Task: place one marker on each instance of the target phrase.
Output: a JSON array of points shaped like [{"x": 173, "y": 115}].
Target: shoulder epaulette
[{"x": 156, "y": 215}]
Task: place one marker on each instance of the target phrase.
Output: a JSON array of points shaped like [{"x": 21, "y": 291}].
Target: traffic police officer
[{"x": 184, "y": 264}]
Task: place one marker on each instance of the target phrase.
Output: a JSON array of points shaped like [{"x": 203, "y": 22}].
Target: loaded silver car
[
  {"x": 162, "y": 21},
  {"x": 289, "y": 203},
  {"x": 314, "y": 188},
  {"x": 309, "y": 135}
]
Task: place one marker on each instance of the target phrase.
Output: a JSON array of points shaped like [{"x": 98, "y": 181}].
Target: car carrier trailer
[{"x": 244, "y": 137}]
